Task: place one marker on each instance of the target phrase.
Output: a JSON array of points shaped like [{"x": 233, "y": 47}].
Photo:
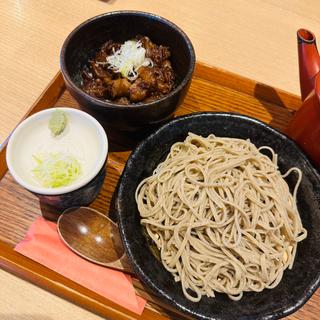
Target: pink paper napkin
[{"x": 42, "y": 244}]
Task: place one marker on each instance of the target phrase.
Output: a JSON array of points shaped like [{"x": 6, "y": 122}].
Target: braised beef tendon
[
  {"x": 156, "y": 53},
  {"x": 138, "y": 90},
  {"x": 147, "y": 75},
  {"x": 150, "y": 80},
  {"x": 119, "y": 88}
]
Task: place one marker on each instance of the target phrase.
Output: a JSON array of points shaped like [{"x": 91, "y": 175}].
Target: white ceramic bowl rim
[{"x": 74, "y": 186}]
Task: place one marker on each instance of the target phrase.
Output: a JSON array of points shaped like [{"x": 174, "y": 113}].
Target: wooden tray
[{"x": 211, "y": 90}]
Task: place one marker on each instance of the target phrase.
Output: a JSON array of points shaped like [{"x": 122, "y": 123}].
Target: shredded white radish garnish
[{"x": 128, "y": 59}]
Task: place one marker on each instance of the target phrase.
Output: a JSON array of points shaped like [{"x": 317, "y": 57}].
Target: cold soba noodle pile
[{"x": 222, "y": 216}]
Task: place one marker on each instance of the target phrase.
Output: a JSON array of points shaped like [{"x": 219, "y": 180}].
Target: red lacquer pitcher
[{"x": 305, "y": 125}]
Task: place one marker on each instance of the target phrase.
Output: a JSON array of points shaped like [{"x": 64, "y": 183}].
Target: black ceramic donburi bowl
[
  {"x": 87, "y": 38},
  {"x": 297, "y": 284}
]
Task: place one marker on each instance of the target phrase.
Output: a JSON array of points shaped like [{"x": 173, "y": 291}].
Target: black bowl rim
[
  {"x": 111, "y": 105},
  {"x": 275, "y": 314}
]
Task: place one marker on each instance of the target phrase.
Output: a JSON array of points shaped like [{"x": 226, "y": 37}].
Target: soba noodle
[{"x": 222, "y": 216}]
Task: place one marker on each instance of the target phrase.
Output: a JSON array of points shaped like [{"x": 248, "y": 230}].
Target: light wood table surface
[{"x": 256, "y": 39}]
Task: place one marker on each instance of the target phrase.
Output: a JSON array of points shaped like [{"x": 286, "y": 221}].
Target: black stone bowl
[
  {"x": 297, "y": 284},
  {"x": 87, "y": 38}
]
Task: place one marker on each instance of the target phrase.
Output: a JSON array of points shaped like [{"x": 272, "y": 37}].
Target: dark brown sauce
[{"x": 152, "y": 83}]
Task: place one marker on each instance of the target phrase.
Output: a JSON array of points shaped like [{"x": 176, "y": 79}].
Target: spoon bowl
[{"x": 93, "y": 236}]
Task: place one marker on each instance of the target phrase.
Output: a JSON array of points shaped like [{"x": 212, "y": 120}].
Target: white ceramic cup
[{"x": 83, "y": 137}]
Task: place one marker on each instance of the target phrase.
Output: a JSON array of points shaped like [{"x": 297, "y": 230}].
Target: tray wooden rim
[{"x": 49, "y": 280}]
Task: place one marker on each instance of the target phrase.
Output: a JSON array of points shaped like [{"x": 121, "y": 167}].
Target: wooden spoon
[{"x": 93, "y": 236}]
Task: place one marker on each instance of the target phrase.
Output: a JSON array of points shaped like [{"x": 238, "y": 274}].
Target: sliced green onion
[
  {"x": 128, "y": 59},
  {"x": 56, "y": 170}
]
